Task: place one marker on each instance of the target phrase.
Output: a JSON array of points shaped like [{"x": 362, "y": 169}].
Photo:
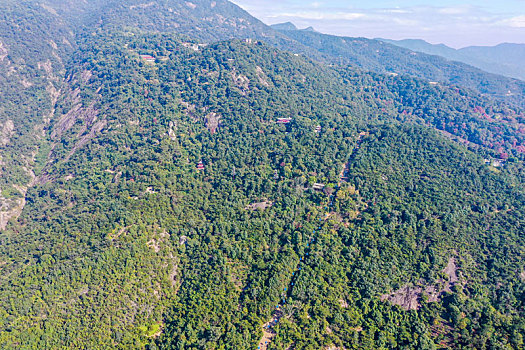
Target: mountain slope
[
  {"x": 505, "y": 59},
  {"x": 131, "y": 241},
  {"x": 181, "y": 185},
  {"x": 382, "y": 57},
  {"x": 33, "y": 46},
  {"x": 284, "y": 26},
  {"x": 202, "y": 20},
  {"x": 210, "y": 21}
]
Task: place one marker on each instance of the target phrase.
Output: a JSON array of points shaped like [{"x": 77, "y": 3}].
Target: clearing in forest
[{"x": 268, "y": 331}]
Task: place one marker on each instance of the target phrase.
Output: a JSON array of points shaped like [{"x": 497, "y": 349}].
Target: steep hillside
[
  {"x": 508, "y": 55},
  {"x": 118, "y": 268},
  {"x": 284, "y": 26},
  {"x": 203, "y": 20},
  {"x": 33, "y": 44},
  {"x": 126, "y": 242}
]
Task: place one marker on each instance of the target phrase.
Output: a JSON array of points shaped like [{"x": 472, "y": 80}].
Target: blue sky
[{"x": 455, "y": 23}]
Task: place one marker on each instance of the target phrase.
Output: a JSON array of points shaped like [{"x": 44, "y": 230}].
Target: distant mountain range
[
  {"x": 505, "y": 59},
  {"x": 290, "y": 26},
  {"x": 382, "y": 57}
]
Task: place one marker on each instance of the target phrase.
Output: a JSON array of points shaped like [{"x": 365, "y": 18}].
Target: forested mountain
[
  {"x": 284, "y": 26},
  {"x": 181, "y": 194},
  {"x": 203, "y": 20},
  {"x": 382, "y": 57},
  {"x": 33, "y": 46},
  {"x": 505, "y": 59}
]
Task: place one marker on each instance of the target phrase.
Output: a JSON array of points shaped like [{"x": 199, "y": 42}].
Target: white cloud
[
  {"x": 454, "y": 10},
  {"x": 396, "y": 10},
  {"x": 515, "y": 22},
  {"x": 317, "y": 15},
  {"x": 405, "y": 21}
]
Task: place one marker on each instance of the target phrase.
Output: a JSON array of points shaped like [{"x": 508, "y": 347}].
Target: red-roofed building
[{"x": 148, "y": 58}]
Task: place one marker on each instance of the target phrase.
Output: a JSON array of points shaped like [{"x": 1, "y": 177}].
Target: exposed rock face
[
  {"x": 6, "y": 131},
  {"x": 95, "y": 129},
  {"x": 260, "y": 205},
  {"x": 409, "y": 297},
  {"x": 142, "y": 6},
  {"x": 47, "y": 66},
  {"x": 450, "y": 270},
  {"x": 241, "y": 81},
  {"x": 263, "y": 79},
  {"x": 12, "y": 208},
  {"x": 77, "y": 112},
  {"x": 406, "y": 297},
  {"x": 3, "y": 51},
  {"x": 190, "y": 110},
  {"x": 212, "y": 122},
  {"x": 171, "y": 131},
  {"x": 88, "y": 115}
]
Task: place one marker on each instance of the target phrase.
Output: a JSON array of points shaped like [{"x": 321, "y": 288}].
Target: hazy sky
[{"x": 455, "y": 23}]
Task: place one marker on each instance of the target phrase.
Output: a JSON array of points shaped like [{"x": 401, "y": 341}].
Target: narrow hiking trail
[{"x": 269, "y": 331}]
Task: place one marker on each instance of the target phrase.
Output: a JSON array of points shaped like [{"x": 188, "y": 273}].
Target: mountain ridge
[
  {"x": 374, "y": 55},
  {"x": 504, "y": 58},
  {"x": 212, "y": 25}
]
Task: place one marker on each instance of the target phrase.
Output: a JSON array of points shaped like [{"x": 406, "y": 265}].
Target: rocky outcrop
[
  {"x": 171, "y": 131},
  {"x": 212, "y": 122},
  {"x": 11, "y": 208},
  {"x": 241, "y": 81},
  {"x": 96, "y": 127},
  {"x": 3, "y": 51},
  {"x": 77, "y": 112},
  {"x": 259, "y": 206},
  {"x": 410, "y": 297},
  {"x": 263, "y": 78},
  {"x": 6, "y": 131},
  {"x": 88, "y": 115}
]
